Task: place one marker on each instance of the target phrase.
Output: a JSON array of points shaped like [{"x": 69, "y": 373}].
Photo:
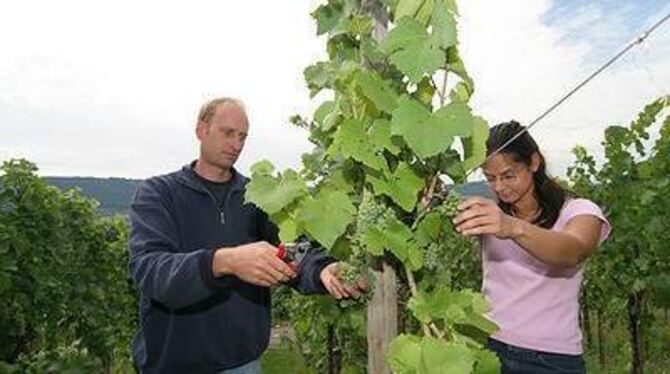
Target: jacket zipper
[{"x": 222, "y": 214}]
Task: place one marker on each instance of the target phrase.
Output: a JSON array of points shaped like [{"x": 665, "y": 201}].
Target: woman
[{"x": 535, "y": 240}]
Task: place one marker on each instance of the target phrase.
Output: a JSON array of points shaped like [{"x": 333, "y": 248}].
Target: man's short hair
[{"x": 208, "y": 109}]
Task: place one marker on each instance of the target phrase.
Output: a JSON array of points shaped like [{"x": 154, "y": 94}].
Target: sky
[{"x": 112, "y": 88}]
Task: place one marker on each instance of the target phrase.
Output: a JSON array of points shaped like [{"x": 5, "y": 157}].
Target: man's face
[{"x": 222, "y": 137}]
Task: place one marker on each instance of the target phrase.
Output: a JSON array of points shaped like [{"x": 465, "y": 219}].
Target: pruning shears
[{"x": 293, "y": 253}]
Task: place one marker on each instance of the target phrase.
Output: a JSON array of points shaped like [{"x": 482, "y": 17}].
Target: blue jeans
[
  {"x": 253, "y": 367},
  {"x": 516, "y": 360}
]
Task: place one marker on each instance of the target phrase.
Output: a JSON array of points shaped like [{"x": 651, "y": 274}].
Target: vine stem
[
  {"x": 413, "y": 289},
  {"x": 425, "y": 199},
  {"x": 429, "y": 329},
  {"x": 436, "y": 331},
  {"x": 443, "y": 92}
]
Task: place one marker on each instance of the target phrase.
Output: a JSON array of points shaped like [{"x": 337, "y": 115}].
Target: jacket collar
[{"x": 188, "y": 177}]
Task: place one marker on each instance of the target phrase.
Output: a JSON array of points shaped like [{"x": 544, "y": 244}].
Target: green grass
[{"x": 284, "y": 359}]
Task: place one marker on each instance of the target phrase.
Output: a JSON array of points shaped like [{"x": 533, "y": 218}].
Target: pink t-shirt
[{"x": 534, "y": 305}]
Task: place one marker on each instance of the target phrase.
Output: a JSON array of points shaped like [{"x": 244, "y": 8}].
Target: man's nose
[{"x": 237, "y": 145}]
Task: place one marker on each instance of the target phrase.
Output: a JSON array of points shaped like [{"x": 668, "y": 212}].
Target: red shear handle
[
  {"x": 283, "y": 255},
  {"x": 281, "y": 251}
]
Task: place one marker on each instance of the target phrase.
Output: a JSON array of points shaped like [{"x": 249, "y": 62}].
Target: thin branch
[
  {"x": 436, "y": 331},
  {"x": 425, "y": 200},
  {"x": 443, "y": 92},
  {"x": 413, "y": 289}
]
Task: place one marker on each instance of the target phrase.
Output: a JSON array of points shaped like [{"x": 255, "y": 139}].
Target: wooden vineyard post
[{"x": 382, "y": 318}]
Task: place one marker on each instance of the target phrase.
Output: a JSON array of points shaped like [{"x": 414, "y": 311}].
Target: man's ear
[{"x": 201, "y": 129}]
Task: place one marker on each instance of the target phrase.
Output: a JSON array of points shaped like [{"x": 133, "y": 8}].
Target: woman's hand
[{"x": 483, "y": 216}]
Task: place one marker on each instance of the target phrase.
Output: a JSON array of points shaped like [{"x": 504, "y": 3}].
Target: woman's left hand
[{"x": 483, "y": 216}]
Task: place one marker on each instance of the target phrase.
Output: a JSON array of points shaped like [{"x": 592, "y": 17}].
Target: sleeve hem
[{"x": 207, "y": 272}]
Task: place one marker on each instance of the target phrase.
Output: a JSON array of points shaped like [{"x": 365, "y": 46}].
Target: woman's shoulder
[
  {"x": 579, "y": 202},
  {"x": 576, "y": 206},
  {"x": 580, "y": 207}
]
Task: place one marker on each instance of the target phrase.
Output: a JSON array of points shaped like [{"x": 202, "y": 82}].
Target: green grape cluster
[
  {"x": 370, "y": 212},
  {"x": 432, "y": 255},
  {"x": 451, "y": 204},
  {"x": 350, "y": 274}
]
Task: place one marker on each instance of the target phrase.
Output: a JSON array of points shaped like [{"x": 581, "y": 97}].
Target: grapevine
[{"x": 381, "y": 143}]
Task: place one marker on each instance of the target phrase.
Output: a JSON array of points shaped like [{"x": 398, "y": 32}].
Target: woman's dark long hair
[{"x": 549, "y": 194}]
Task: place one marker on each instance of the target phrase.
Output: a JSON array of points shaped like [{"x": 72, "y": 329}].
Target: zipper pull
[{"x": 223, "y": 218}]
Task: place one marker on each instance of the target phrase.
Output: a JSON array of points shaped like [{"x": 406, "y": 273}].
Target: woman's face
[{"x": 510, "y": 180}]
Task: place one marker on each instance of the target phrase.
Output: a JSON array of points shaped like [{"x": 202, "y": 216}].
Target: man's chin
[{"x": 223, "y": 165}]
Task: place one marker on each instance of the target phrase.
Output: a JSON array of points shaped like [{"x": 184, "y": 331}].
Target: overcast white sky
[{"x": 112, "y": 88}]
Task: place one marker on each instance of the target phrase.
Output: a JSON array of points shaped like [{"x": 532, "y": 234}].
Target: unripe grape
[{"x": 451, "y": 204}]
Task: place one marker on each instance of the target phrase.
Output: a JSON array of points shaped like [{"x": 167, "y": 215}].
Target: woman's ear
[{"x": 535, "y": 160}]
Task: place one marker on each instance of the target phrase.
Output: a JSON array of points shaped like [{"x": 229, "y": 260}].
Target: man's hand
[
  {"x": 255, "y": 263},
  {"x": 338, "y": 288}
]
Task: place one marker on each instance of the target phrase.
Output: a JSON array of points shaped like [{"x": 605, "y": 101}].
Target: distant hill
[{"x": 113, "y": 194}]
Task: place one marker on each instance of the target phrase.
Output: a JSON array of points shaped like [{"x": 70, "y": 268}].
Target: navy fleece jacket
[{"x": 192, "y": 322}]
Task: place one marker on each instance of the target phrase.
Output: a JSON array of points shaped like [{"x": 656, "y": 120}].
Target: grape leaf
[
  {"x": 411, "y": 49},
  {"x": 326, "y": 217},
  {"x": 460, "y": 93},
  {"x": 380, "y": 136},
  {"x": 263, "y": 167},
  {"x": 322, "y": 112},
  {"x": 319, "y": 76},
  {"x": 402, "y": 186},
  {"x": 456, "y": 66},
  {"x": 421, "y": 10},
  {"x": 360, "y": 25},
  {"x": 429, "y": 135},
  {"x": 404, "y": 355},
  {"x": 487, "y": 362},
  {"x": 351, "y": 140},
  {"x": 377, "y": 90},
  {"x": 429, "y": 307},
  {"x": 424, "y": 91},
  {"x": 407, "y": 8},
  {"x": 414, "y": 257},
  {"x": 397, "y": 237},
  {"x": 444, "y": 26},
  {"x": 272, "y": 194},
  {"x": 474, "y": 147},
  {"x": 374, "y": 240},
  {"x": 441, "y": 357},
  {"x": 425, "y": 12},
  {"x": 457, "y": 117},
  {"x": 326, "y": 18},
  {"x": 428, "y": 230},
  {"x": 288, "y": 227}
]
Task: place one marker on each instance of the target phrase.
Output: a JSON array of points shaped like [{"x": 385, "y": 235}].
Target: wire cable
[{"x": 635, "y": 42}]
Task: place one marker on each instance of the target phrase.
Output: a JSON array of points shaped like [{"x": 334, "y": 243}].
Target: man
[{"x": 203, "y": 261}]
